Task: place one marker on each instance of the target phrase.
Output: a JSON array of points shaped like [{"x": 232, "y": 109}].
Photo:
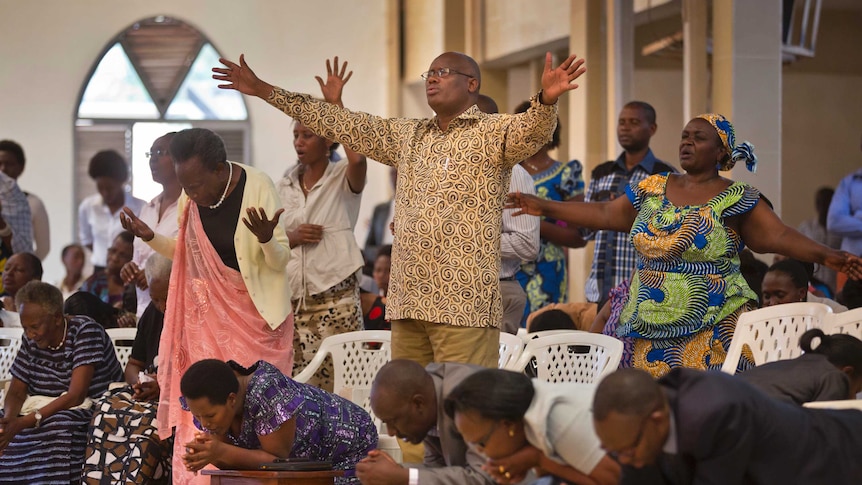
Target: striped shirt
[{"x": 520, "y": 239}]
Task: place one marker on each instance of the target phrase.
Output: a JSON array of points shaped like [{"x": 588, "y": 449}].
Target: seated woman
[
  {"x": 64, "y": 362},
  {"x": 74, "y": 258},
  {"x": 829, "y": 371},
  {"x": 787, "y": 281},
  {"x": 252, "y": 416},
  {"x": 108, "y": 285},
  {"x": 521, "y": 423},
  {"x": 124, "y": 444},
  {"x": 374, "y": 306}
]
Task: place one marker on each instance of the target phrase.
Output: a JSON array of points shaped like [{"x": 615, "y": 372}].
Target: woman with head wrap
[{"x": 688, "y": 230}]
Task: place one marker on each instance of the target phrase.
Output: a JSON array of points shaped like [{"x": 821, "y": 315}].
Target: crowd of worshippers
[{"x": 233, "y": 281}]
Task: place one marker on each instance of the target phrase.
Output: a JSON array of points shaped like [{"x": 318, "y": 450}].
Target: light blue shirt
[{"x": 845, "y": 213}]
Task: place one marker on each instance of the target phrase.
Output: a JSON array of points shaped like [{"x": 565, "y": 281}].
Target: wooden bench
[{"x": 265, "y": 477}]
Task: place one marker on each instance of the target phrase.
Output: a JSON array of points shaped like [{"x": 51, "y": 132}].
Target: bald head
[
  {"x": 629, "y": 392},
  {"x": 486, "y": 104},
  {"x": 463, "y": 63},
  {"x": 402, "y": 377}
]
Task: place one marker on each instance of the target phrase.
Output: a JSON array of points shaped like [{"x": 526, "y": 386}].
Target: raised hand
[
  {"x": 335, "y": 81},
  {"x": 258, "y": 223},
  {"x": 134, "y": 225},
  {"x": 526, "y": 203},
  {"x": 558, "y": 80},
  {"x": 241, "y": 78}
]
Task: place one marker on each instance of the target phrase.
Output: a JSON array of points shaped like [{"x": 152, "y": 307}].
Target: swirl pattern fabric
[
  {"x": 688, "y": 279},
  {"x": 448, "y": 201},
  {"x": 545, "y": 280}
]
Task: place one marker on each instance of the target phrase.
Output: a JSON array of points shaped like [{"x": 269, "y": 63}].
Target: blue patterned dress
[
  {"x": 53, "y": 453},
  {"x": 545, "y": 280},
  {"x": 328, "y": 427},
  {"x": 687, "y": 292}
]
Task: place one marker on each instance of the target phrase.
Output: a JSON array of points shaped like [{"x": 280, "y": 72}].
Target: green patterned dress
[{"x": 688, "y": 291}]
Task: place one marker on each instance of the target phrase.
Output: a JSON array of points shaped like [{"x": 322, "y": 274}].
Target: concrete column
[
  {"x": 620, "y": 50},
  {"x": 746, "y": 69},
  {"x": 587, "y": 113},
  {"x": 695, "y": 76}
]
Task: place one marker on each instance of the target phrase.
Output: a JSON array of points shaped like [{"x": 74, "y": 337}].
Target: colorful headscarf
[{"x": 742, "y": 152}]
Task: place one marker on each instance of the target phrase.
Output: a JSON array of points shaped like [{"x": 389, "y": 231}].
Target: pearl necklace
[
  {"x": 65, "y": 329},
  {"x": 532, "y": 166},
  {"x": 224, "y": 194}
]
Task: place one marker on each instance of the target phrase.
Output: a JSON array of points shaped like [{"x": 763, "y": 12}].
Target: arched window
[{"x": 153, "y": 78}]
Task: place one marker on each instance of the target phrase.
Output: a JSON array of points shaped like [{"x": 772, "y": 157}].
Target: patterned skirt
[
  {"x": 332, "y": 312},
  {"x": 704, "y": 350}
]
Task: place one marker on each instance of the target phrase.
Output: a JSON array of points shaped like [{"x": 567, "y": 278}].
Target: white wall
[{"x": 47, "y": 48}]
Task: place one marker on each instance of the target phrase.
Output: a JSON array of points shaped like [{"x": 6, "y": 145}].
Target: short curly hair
[
  {"x": 108, "y": 163},
  {"x": 13, "y": 148}
]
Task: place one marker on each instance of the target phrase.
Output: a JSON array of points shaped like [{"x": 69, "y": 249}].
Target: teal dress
[
  {"x": 687, "y": 292},
  {"x": 545, "y": 280}
]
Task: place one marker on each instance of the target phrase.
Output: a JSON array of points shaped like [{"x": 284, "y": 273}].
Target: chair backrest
[
  {"x": 356, "y": 358},
  {"x": 571, "y": 356},
  {"x": 122, "y": 338},
  {"x": 510, "y": 348},
  {"x": 772, "y": 333},
  {"x": 527, "y": 337},
  {"x": 849, "y": 322},
  {"x": 10, "y": 342}
]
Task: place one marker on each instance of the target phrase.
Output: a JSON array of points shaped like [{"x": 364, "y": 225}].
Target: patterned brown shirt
[{"x": 448, "y": 201}]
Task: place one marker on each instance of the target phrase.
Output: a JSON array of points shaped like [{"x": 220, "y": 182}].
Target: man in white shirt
[
  {"x": 519, "y": 241},
  {"x": 99, "y": 214},
  {"x": 12, "y": 164}
]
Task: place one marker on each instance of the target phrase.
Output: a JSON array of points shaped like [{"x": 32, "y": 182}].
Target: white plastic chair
[
  {"x": 527, "y": 337},
  {"x": 354, "y": 361},
  {"x": 355, "y": 364},
  {"x": 510, "y": 349},
  {"x": 772, "y": 333},
  {"x": 10, "y": 342},
  {"x": 849, "y": 322},
  {"x": 571, "y": 356},
  {"x": 122, "y": 338}
]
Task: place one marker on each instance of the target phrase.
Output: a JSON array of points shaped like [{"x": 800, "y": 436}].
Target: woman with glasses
[
  {"x": 520, "y": 424},
  {"x": 321, "y": 196},
  {"x": 160, "y": 214}
]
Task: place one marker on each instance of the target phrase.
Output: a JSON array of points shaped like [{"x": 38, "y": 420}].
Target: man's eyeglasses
[
  {"x": 155, "y": 153},
  {"x": 442, "y": 72}
]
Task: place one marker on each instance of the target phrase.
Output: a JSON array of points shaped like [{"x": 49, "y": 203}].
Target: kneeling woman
[
  {"x": 521, "y": 423},
  {"x": 251, "y": 416}
]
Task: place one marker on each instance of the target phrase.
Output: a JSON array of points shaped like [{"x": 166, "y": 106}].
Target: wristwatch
[{"x": 38, "y": 417}]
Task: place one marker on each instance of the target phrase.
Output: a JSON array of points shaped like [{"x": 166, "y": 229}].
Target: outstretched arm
[
  {"x": 764, "y": 232},
  {"x": 332, "y": 89},
  {"x": 370, "y": 135},
  {"x": 616, "y": 215}
]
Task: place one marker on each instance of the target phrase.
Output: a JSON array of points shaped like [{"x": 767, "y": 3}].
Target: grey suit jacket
[{"x": 448, "y": 459}]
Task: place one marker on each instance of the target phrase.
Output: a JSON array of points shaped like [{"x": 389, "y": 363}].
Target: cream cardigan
[{"x": 263, "y": 266}]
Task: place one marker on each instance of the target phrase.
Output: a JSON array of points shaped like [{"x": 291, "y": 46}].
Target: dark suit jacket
[
  {"x": 376, "y": 231},
  {"x": 728, "y": 432}
]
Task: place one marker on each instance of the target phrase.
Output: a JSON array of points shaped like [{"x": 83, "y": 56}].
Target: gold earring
[{"x": 511, "y": 433}]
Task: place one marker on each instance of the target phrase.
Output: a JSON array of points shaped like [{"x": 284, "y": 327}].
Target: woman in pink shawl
[{"x": 229, "y": 295}]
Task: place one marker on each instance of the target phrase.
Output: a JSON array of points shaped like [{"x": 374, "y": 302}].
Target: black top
[
  {"x": 146, "y": 346},
  {"x": 809, "y": 377},
  {"x": 220, "y": 223}
]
